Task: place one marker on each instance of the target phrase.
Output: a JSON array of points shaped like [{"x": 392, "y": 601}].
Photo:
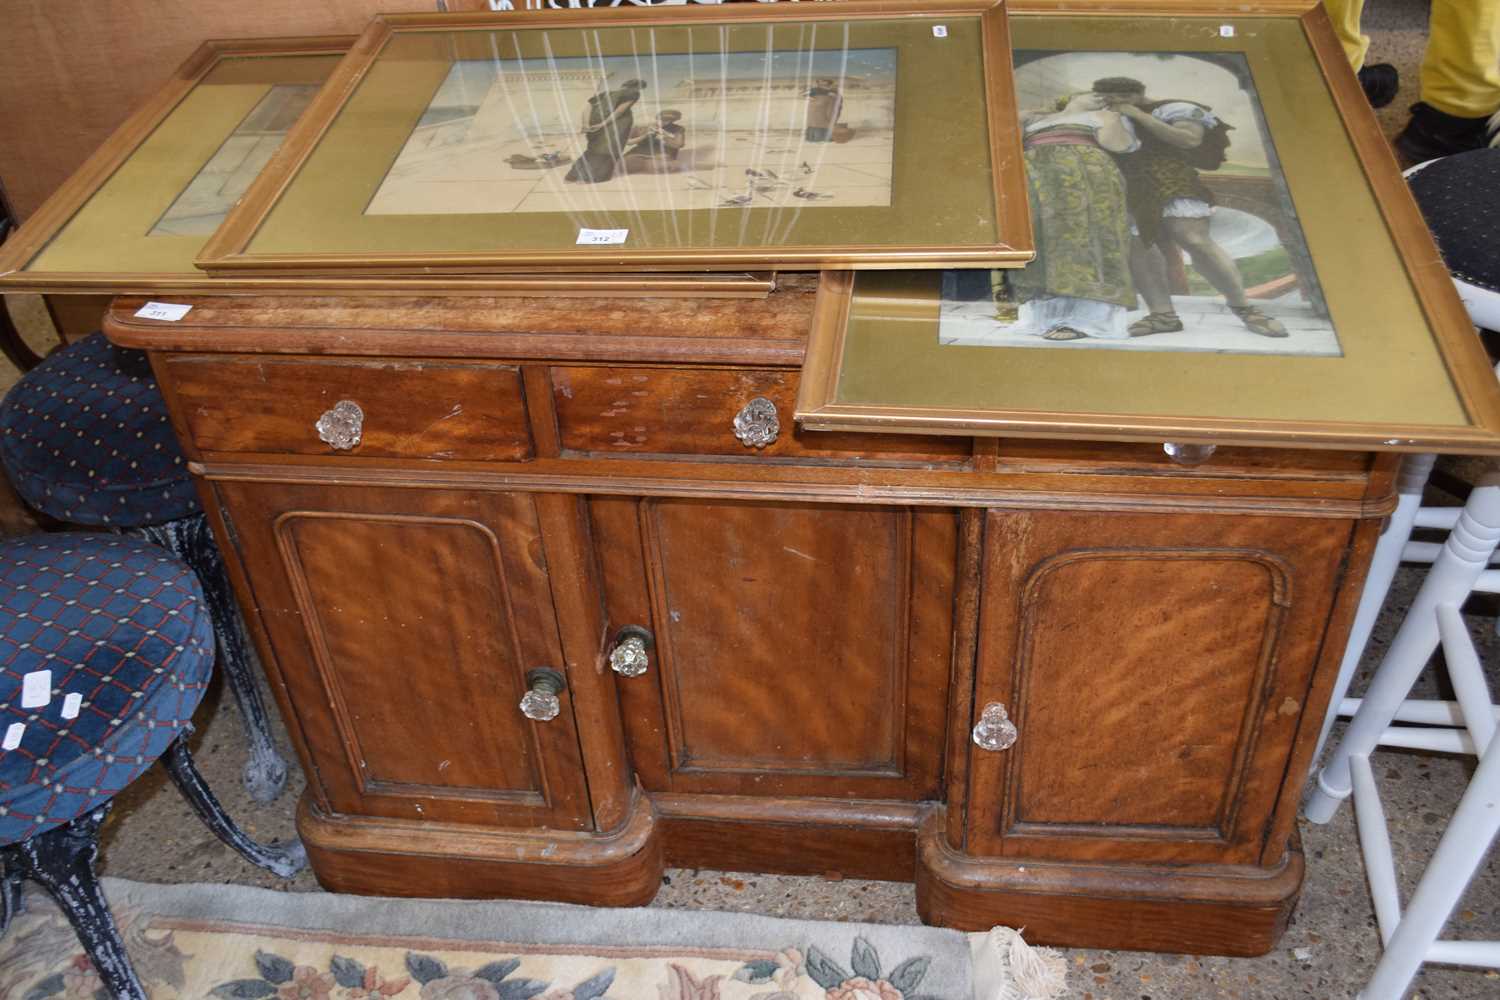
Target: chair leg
[
  {"x": 10, "y": 893},
  {"x": 1460, "y": 852},
  {"x": 1415, "y": 469},
  {"x": 1465, "y": 555},
  {"x": 285, "y": 860},
  {"x": 62, "y": 862},
  {"x": 191, "y": 540}
]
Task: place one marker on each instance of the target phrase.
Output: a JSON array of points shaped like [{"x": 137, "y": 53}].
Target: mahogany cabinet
[{"x": 541, "y": 497}]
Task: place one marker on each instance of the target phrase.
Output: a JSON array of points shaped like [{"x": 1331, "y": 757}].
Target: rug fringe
[{"x": 1007, "y": 968}]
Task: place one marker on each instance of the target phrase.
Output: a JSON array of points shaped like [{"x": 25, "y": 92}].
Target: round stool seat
[
  {"x": 1460, "y": 199},
  {"x": 86, "y": 439},
  {"x": 106, "y": 648}
]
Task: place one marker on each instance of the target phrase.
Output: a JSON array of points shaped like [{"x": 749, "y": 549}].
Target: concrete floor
[{"x": 1325, "y": 954}]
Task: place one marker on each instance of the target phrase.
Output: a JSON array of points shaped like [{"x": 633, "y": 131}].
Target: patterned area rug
[{"x": 238, "y": 943}]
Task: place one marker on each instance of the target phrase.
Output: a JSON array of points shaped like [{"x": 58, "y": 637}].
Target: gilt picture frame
[
  {"x": 1335, "y": 324},
  {"x": 796, "y": 136},
  {"x": 134, "y": 217}
]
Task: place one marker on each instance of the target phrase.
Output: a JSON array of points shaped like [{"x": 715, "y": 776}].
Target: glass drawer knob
[
  {"x": 541, "y": 702},
  {"x": 1188, "y": 454},
  {"x": 995, "y": 730},
  {"x": 342, "y": 426},
  {"x": 632, "y": 652},
  {"x": 756, "y": 425}
]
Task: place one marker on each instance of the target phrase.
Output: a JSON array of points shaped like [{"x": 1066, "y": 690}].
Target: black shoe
[
  {"x": 1380, "y": 83},
  {"x": 1432, "y": 133}
]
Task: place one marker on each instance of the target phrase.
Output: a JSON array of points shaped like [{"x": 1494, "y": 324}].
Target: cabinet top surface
[{"x": 769, "y": 331}]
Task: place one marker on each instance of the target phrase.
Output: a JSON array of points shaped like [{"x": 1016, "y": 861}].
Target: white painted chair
[
  {"x": 1466, "y": 725},
  {"x": 1458, "y": 173}
]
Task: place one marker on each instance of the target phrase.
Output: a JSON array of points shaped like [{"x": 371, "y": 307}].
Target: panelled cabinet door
[
  {"x": 404, "y": 622},
  {"x": 1155, "y": 668},
  {"x": 799, "y": 649}
]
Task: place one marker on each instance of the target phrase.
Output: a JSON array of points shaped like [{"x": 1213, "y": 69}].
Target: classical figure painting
[
  {"x": 1163, "y": 221},
  {"x": 207, "y": 199},
  {"x": 650, "y": 132}
]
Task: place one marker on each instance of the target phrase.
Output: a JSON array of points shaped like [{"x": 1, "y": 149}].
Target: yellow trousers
[{"x": 1461, "y": 68}]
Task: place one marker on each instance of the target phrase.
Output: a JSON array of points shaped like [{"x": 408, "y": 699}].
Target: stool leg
[
  {"x": 62, "y": 862},
  {"x": 10, "y": 893},
  {"x": 190, "y": 540},
  {"x": 1460, "y": 852},
  {"x": 285, "y": 860},
  {"x": 1464, "y": 556}
]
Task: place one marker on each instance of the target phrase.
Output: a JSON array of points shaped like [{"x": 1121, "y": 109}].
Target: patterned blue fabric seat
[
  {"x": 119, "y": 632},
  {"x": 85, "y": 438},
  {"x": 106, "y": 648}
]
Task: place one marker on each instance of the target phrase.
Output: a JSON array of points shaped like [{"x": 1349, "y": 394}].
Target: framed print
[
  {"x": 136, "y": 214},
  {"x": 869, "y": 133},
  {"x": 1226, "y": 252}
]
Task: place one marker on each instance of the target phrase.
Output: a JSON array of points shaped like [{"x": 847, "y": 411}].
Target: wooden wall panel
[{"x": 73, "y": 70}]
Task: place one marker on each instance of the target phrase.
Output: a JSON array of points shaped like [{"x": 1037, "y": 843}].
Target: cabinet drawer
[
  {"x": 676, "y": 411},
  {"x": 410, "y": 409}
]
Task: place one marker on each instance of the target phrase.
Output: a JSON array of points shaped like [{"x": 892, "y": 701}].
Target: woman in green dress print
[{"x": 1079, "y": 284}]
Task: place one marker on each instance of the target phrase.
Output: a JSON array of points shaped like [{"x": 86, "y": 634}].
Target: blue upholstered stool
[
  {"x": 85, "y": 439},
  {"x": 106, "y": 647}
]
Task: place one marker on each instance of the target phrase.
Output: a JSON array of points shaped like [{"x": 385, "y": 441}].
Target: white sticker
[
  {"x": 601, "y": 237},
  {"x": 71, "y": 704},
  {"x": 13, "y": 736},
  {"x": 36, "y": 689},
  {"x": 939, "y": 31},
  {"x": 1226, "y": 31},
  {"x": 169, "y": 312}
]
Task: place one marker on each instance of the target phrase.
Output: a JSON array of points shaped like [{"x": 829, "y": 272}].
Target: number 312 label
[{"x": 602, "y": 237}]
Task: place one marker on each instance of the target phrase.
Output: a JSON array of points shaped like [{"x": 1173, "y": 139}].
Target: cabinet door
[
  {"x": 1155, "y": 667},
  {"x": 403, "y": 623},
  {"x": 801, "y": 649}
]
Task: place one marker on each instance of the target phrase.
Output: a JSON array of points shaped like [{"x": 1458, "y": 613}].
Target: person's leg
[
  {"x": 1220, "y": 270},
  {"x": 1149, "y": 273},
  {"x": 1461, "y": 69},
  {"x": 1209, "y": 259},
  {"x": 1460, "y": 80},
  {"x": 1380, "y": 81},
  {"x": 1345, "y": 15}
]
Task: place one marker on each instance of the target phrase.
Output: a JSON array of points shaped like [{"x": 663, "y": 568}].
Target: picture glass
[
  {"x": 155, "y": 211},
  {"x": 1161, "y": 212},
  {"x": 766, "y": 128},
  {"x": 479, "y": 146},
  {"x": 202, "y": 205},
  {"x": 1226, "y": 277}
]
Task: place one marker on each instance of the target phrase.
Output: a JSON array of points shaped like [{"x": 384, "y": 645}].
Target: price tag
[
  {"x": 13, "y": 736},
  {"x": 601, "y": 237},
  {"x": 169, "y": 312},
  {"x": 36, "y": 689},
  {"x": 939, "y": 31}
]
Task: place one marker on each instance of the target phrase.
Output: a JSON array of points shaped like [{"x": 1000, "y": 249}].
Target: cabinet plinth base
[
  {"x": 1197, "y": 909},
  {"x": 855, "y": 839},
  {"x": 396, "y": 857}
]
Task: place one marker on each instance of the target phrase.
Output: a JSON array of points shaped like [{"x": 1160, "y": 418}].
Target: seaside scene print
[
  {"x": 1163, "y": 221},
  {"x": 209, "y": 196},
  {"x": 654, "y": 132}
]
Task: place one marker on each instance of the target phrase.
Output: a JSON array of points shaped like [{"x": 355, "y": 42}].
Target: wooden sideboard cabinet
[{"x": 825, "y": 619}]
